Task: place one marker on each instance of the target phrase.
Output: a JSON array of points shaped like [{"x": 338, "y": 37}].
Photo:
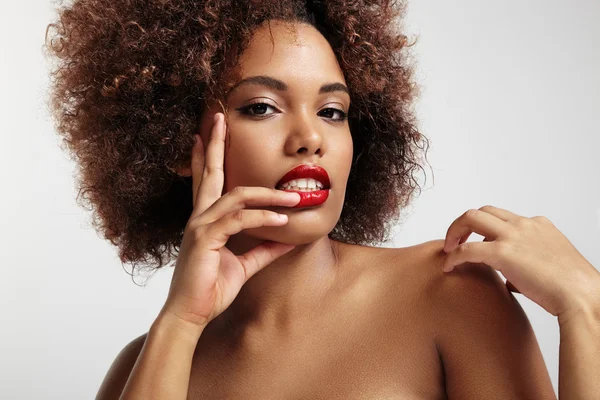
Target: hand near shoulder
[{"x": 537, "y": 260}]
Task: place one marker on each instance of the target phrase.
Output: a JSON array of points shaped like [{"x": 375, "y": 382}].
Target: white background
[{"x": 510, "y": 102}]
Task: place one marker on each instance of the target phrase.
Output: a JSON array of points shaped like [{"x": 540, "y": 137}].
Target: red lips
[{"x": 307, "y": 171}]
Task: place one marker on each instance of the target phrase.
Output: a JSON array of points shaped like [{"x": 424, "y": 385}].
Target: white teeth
[
  {"x": 296, "y": 188},
  {"x": 304, "y": 183}
]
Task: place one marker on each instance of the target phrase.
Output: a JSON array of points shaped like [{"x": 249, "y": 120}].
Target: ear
[{"x": 185, "y": 171}]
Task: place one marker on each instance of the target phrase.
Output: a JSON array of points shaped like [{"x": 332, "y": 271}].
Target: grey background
[{"x": 510, "y": 99}]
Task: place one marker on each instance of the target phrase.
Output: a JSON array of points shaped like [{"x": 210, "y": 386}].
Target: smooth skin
[
  {"x": 183, "y": 357},
  {"x": 375, "y": 323},
  {"x": 208, "y": 276},
  {"x": 541, "y": 263}
]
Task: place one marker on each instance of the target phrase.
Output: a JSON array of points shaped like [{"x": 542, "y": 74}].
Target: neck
[{"x": 287, "y": 289}]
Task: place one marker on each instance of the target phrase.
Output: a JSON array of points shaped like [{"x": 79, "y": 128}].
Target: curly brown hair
[{"x": 129, "y": 86}]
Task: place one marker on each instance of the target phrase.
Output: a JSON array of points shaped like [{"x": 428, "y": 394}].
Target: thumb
[{"x": 262, "y": 255}]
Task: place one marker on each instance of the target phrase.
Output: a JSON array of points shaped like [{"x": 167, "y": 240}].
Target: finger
[
  {"x": 480, "y": 222},
  {"x": 511, "y": 287},
  {"x": 212, "y": 177},
  {"x": 501, "y": 213},
  {"x": 263, "y": 255},
  {"x": 242, "y": 197},
  {"x": 464, "y": 238},
  {"x": 197, "y": 166},
  {"x": 218, "y": 233},
  {"x": 472, "y": 252}
]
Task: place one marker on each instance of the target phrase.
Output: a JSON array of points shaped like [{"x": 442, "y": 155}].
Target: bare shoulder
[
  {"x": 475, "y": 285},
  {"x": 414, "y": 269},
  {"x": 484, "y": 338},
  {"x": 119, "y": 371},
  {"x": 398, "y": 283},
  {"x": 413, "y": 280},
  {"x": 422, "y": 264}
]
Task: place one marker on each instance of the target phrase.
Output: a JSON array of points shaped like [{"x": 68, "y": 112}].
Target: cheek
[
  {"x": 347, "y": 150},
  {"x": 246, "y": 160}
]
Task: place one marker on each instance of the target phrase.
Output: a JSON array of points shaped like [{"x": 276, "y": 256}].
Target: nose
[{"x": 304, "y": 136}]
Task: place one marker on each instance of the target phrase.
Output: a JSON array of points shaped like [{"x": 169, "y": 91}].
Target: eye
[
  {"x": 260, "y": 110},
  {"x": 256, "y": 109},
  {"x": 330, "y": 111}
]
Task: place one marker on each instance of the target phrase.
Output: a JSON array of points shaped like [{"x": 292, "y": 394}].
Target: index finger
[{"x": 207, "y": 174}]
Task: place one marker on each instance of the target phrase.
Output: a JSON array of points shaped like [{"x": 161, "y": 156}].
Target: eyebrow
[{"x": 281, "y": 86}]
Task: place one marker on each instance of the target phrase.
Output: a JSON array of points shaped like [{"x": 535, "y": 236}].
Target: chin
[{"x": 288, "y": 234}]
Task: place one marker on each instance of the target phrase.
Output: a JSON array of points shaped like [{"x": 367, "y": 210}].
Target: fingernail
[
  {"x": 282, "y": 217},
  {"x": 293, "y": 195},
  {"x": 216, "y": 118}
]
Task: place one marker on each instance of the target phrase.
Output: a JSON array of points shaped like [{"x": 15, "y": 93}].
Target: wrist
[
  {"x": 170, "y": 322},
  {"x": 585, "y": 303}
]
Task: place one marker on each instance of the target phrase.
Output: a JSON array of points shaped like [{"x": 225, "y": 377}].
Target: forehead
[{"x": 290, "y": 51}]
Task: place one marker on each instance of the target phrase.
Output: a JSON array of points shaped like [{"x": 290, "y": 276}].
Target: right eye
[{"x": 256, "y": 109}]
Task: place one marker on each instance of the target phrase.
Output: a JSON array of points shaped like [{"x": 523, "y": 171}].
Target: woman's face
[{"x": 287, "y": 120}]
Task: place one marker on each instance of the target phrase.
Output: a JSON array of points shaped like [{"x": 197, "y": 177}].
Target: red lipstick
[{"x": 312, "y": 198}]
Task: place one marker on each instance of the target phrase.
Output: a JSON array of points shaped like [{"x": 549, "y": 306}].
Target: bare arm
[
  {"x": 162, "y": 369},
  {"x": 579, "y": 356},
  {"x": 486, "y": 343}
]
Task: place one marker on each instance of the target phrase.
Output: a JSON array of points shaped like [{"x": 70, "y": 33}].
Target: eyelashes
[{"x": 251, "y": 110}]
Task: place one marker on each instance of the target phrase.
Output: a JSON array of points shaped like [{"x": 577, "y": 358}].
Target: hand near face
[
  {"x": 208, "y": 276},
  {"x": 533, "y": 255}
]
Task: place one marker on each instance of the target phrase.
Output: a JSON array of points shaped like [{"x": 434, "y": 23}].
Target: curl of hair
[{"x": 129, "y": 86}]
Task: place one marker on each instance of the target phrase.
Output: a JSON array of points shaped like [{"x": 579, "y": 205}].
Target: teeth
[
  {"x": 304, "y": 183},
  {"x": 300, "y": 189}
]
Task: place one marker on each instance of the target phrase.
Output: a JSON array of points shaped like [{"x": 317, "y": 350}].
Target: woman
[{"x": 301, "y": 110}]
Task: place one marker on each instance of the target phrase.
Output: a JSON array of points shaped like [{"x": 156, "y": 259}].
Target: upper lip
[{"x": 307, "y": 171}]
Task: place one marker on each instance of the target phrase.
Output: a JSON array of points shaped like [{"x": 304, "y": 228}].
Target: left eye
[
  {"x": 260, "y": 109},
  {"x": 329, "y": 111}
]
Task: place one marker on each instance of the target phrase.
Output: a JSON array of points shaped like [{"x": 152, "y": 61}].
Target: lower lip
[{"x": 309, "y": 199}]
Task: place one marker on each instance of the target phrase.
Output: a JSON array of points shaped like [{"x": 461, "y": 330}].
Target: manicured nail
[
  {"x": 292, "y": 195},
  {"x": 282, "y": 217}
]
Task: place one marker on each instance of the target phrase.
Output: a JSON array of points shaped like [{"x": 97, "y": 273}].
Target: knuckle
[
  {"x": 198, "y": 232},
  {"x": 486, "y": 208},
  {"x": 464, "y": 248},
  {"x": 541, "y": 218},
  {"x": 524, "y": 222},
  {"x": 471, "y": 213},
  {"x": 239, "y": 191},
  {"x": 237, "y": 215},
  {"x": 211, "y": 169}
]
